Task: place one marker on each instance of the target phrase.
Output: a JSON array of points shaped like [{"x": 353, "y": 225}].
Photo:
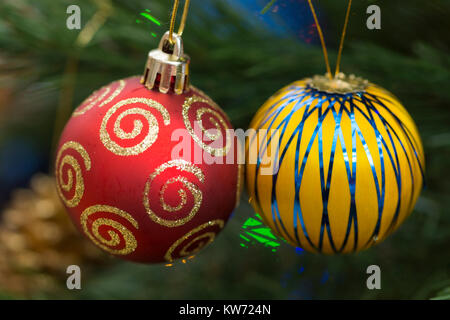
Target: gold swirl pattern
[
  {"x": 153, "y": 129},
  {"x": 91, "y": 101},
  {"x": 181, "y": 192},
  {"x": 181, "y": 165},
  {"x": 97, "y": 97},
  {"x": 203, "y": 240},
  {"x": 73, "y": 163},
  {"x": 114, "y": 94},
  {"x": 216, "y": 119},
  {"x": 110, "y": 245}
]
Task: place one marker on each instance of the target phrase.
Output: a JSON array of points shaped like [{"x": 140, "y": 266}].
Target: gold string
[
  {"x": 174, "y": 17},
  {"x": 343, "y": 37},
  {"x": 324, "y": 48},
  {"x": 183, "y": 19}
]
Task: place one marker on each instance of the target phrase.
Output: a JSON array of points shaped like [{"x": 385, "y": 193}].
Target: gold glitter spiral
[
  {"x": 216, "y": 119},
  {"x": 116, "y": 229},
  {"x": 181, "y": 165},
  {"x": 98, "y": 97},
  {"x": 116, "y": 92},
  {"x": 75, "y": 167},
  {"x": 153, "y": 128},
  {"x": 203, "y": 240}
]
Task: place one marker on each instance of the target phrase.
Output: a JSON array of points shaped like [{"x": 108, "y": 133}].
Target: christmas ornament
[
  {"x": 335, "y": 164},
  {"x": 117, "y": 173}
]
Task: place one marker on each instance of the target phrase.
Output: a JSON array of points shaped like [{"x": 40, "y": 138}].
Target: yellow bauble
[{"x": 334, "y": 166}]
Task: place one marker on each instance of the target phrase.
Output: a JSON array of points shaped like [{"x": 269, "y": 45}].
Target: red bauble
[{"x": 123, "y": 187}]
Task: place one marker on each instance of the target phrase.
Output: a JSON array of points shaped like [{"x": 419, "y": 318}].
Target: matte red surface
[{"x": 119, "y": 181}]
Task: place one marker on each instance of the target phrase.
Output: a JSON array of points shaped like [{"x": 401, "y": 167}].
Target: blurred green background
[{"x": 239, "y": 57}]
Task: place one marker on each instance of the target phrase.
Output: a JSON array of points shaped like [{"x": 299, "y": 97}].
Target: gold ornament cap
[
  {"x": 167, "y": 67},
  {"x": 341, "y": 83}
]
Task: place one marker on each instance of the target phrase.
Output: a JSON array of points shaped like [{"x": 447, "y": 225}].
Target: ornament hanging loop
[
  {"x": 167, "y": 67},
  {"x": 174, "y": 17}
]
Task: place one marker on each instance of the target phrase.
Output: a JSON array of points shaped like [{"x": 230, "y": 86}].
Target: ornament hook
[{"x": 167, "y": 67}]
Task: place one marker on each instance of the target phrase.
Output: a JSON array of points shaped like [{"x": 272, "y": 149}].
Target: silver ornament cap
[{"x": 167, "y": 68}]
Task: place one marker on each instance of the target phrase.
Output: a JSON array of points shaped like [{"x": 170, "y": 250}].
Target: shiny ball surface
[{"x": 346, "y": 168}]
